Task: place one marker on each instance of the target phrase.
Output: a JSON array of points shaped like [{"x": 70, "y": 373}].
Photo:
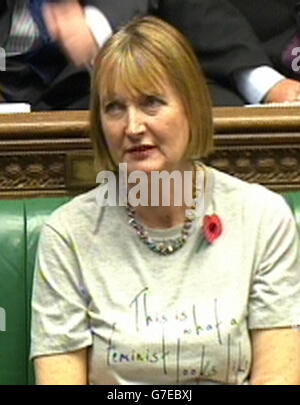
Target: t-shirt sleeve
[
  {"x": 59, "y": 321},
  {"x": 274, "y": 299}
]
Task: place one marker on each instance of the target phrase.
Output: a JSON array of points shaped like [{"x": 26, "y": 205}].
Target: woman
[{"x": 146, "y": 293}]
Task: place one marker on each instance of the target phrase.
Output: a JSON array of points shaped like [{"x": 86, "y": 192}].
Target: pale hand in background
[
  {"x": 67, "y": 25},
  {"x": 287, "y": 90}
]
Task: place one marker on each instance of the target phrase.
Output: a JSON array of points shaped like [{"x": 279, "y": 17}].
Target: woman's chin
[{"x": 146, "y": 166}]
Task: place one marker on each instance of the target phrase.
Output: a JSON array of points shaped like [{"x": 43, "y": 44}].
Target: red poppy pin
[{"x": 212, "y": 227}]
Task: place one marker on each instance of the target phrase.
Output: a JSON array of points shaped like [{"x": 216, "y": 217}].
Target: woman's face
[{"x": 148, "y": 132}]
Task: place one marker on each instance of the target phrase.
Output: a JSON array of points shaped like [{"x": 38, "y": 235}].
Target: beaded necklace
[{"x": 165, "y": 247}]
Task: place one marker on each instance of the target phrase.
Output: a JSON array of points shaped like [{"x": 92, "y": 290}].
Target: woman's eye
[
  {"x": 152, "y": 102},
  {"x": 113, "y": 108}
]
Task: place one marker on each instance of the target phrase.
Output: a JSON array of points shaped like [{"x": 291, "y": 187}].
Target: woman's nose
[{"x": 135, "y": 124}]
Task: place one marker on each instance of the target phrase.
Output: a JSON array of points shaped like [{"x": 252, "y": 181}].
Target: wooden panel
[{"x": 43, "y": 154}]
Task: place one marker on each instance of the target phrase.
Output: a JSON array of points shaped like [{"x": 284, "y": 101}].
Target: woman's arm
[
  {"x": 62, "y": 369},
  {"x": 276, "y": 357}
]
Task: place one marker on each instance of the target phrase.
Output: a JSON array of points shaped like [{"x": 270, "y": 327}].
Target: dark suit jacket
[
  {"x": 233, "y": 34},
  {"x": 230, "y": 35},
  {"x": 70, "y": 88},
  {"x": 274, "y": 22}
]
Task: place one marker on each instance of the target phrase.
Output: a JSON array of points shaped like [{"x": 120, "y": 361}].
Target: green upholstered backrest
[
  {"x": 293, "y": 199},
  {"x": 20, "y": 224},
  {"x": 13, "y": 340}
]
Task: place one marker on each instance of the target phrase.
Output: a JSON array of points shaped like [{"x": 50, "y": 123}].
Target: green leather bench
[{"x": 20, "y": 224}]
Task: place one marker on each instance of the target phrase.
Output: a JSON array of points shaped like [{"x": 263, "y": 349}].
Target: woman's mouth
[{"x": 141, "y": 151}]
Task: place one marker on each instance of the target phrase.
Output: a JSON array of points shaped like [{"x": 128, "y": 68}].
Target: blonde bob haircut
[{"x": 142, "y": 56}]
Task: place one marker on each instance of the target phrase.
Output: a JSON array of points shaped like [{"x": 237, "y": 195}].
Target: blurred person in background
[
  {"x": 48, "y": 71},
  {"x": 245, "y": 48}
]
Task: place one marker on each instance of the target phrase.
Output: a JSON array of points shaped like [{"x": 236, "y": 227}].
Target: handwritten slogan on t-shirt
[{"x": 181, "y": 343}]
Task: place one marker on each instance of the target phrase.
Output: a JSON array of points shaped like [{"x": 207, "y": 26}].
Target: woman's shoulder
[
  {"x": 81, "y": 209},
  {"x": 233, "y": 189}
]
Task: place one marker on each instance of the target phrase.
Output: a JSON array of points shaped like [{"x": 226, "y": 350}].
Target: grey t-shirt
[{"x": 177, "y": 319}]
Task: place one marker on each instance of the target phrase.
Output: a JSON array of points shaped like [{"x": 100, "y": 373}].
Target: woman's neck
[
  {"x": 161, "y": 217},
  {"x": 172, "y": 211}
]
